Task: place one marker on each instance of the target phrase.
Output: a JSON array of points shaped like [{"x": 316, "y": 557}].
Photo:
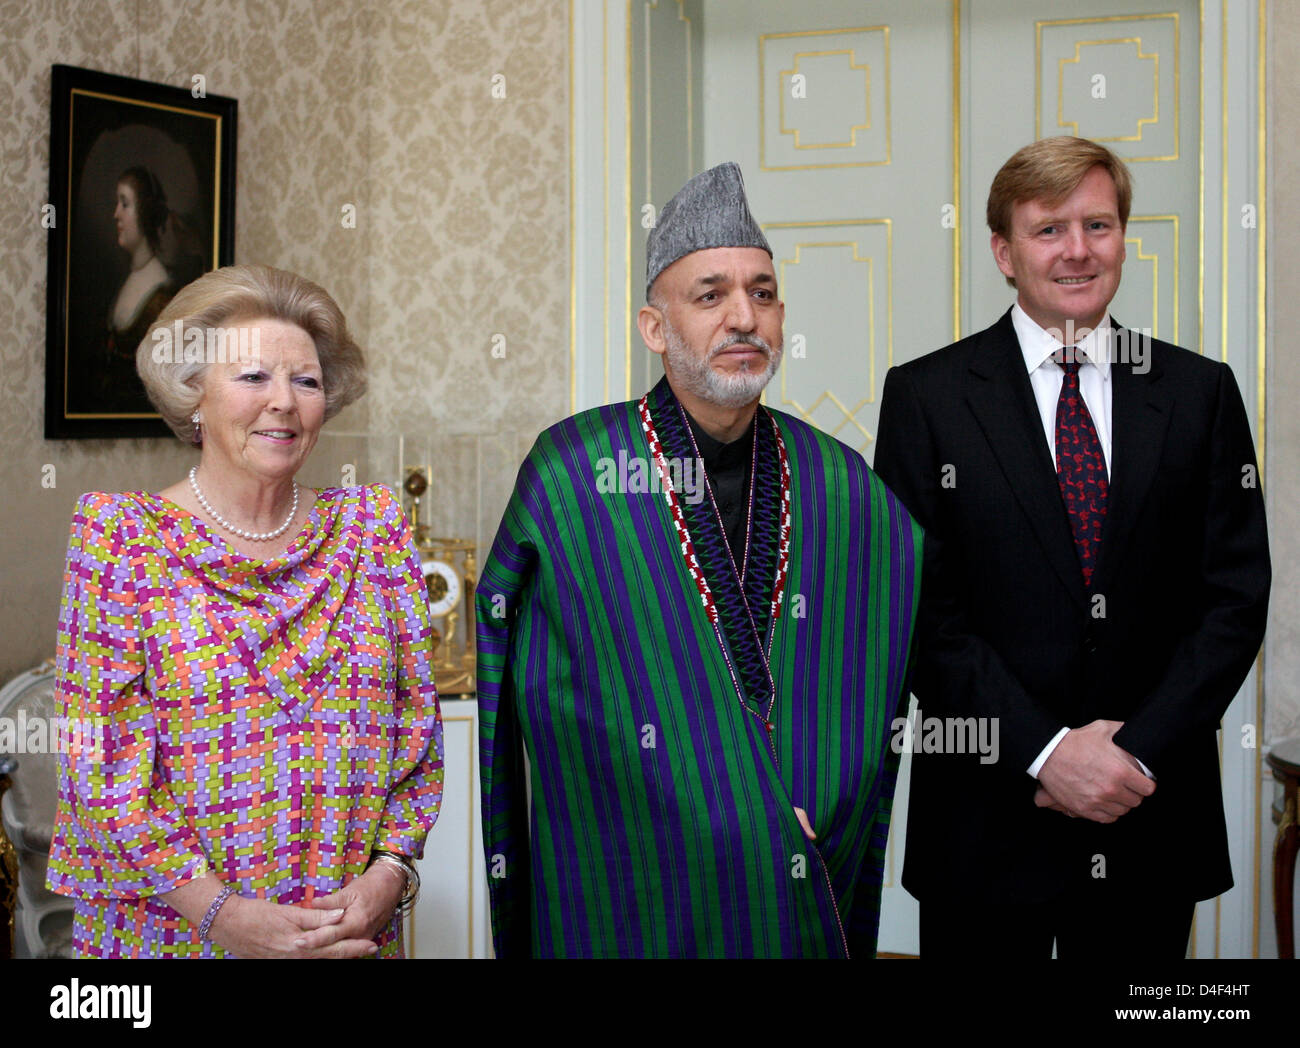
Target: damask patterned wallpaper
[
  {"x": 455, "y": 277},
  {"x": 443, "y": 122}
]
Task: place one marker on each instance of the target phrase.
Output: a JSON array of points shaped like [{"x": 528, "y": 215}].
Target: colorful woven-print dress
[{"x": 272, "y": 721}]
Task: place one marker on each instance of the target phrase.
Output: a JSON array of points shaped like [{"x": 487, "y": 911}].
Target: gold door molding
[
  {"x": 854, "y": 121},
  {"x": 860, "y": 248},
  {"x": 1130, "y": 51}
]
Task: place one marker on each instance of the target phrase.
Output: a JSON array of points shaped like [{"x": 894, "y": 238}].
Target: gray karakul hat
[{"x": 709, "y": 211}]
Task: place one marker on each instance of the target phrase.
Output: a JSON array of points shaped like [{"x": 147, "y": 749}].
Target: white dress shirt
[{"x": 1046, "y": 377}]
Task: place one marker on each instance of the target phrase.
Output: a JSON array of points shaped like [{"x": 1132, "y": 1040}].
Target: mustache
[{"x": 741, "y": 338}]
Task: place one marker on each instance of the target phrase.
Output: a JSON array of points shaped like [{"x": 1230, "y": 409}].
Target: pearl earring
[{"x": 198, "y": 428}]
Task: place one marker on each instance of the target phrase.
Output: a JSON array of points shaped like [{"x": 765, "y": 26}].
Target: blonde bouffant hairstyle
[
  {"x": 248, "y": 292},
  {"x": 1050, "y": 170}
]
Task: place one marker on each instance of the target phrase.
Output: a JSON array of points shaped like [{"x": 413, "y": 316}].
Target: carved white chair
[{"x": 39, "y": 923}]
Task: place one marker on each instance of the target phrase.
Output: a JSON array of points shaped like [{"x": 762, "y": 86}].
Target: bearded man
[{"x": 701, "y": 678}]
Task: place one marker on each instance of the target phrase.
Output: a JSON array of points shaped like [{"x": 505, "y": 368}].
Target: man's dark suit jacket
[{"x": 1008, "y": 630}]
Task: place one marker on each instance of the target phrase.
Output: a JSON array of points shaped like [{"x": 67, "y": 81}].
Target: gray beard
[{"x": 700, "y": 378}]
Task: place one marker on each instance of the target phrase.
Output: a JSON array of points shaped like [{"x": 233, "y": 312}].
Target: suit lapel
[
  {"x": 999, "y": 394},
  {"x": 1140, "y": 411}
]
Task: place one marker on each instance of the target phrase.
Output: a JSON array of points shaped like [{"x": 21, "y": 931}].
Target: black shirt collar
[{"x": 719, "y": 456}]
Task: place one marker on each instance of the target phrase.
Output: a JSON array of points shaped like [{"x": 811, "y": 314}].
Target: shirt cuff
[{"x": 1041, "y": 759}]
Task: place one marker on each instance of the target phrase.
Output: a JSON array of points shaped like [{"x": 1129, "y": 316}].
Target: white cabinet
[{"x": 451, "y": 918}]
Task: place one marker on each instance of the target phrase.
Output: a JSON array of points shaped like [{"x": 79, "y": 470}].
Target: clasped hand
[
  {"x": 341, "y": 925},
  {"x": 1088, "y": 776}
]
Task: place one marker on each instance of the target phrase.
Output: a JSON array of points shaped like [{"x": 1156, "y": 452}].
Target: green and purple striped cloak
[{"x": 663, "y": 762}]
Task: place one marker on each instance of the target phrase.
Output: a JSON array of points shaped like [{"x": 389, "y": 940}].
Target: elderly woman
[{"x": 255, "y": 658}]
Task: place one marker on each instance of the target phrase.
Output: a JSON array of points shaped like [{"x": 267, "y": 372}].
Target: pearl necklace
[{"x": 253, "y": 536}]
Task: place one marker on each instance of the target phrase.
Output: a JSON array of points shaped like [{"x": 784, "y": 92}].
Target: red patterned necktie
[{"x": 1080, "y": 465}]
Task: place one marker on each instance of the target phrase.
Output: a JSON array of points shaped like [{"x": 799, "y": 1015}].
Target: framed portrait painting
[{"x": 142, "y": 201}]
